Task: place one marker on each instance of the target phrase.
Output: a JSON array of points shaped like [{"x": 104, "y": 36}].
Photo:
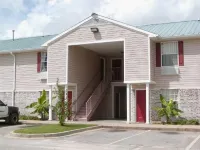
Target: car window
[{"x": 1, "y": 103}]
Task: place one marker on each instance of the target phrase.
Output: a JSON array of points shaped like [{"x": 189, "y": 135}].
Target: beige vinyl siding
[
  {"x": 136, "y": 57},
  {"x": 189, "y": 76},
  {"x": 6, "y": 72},
  {"x": 136, "y": 54},
  {"x": 84, "y": 65},
  {"x": 27, "y": 77},
  {"x": 153, "y": 59}
]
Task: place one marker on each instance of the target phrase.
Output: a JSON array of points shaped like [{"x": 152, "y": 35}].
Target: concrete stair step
[{"x": 81, "y": 119}]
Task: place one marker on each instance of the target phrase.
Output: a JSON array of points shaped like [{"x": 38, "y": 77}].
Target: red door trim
[
  {"x": 70, "y": 102},
  {"x": 143, "y": 120}
]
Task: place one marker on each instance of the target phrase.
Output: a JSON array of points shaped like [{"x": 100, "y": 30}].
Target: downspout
[{"x": 14, "y": 79}]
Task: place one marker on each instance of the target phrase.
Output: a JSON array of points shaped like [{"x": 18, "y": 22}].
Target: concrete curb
[
  {"x": 52, "y": 134},
  {"x": 164, "y": 128}
]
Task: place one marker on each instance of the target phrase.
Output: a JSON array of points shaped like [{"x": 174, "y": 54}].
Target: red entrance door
[
  {"x": 141, "y": 106},
  {"x": 69, "y": 104}
]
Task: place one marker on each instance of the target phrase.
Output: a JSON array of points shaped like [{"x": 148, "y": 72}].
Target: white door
[{"x": 3, "y": 109}]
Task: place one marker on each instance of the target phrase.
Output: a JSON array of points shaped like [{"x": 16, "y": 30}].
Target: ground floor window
[{"x": 171, "y": 94}]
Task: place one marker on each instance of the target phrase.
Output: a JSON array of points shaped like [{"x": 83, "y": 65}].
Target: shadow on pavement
[
  {"x": 172, "y": 132},
  {"x": 3, "y": 124}
]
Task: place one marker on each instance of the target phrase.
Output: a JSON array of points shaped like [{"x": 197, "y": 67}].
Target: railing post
[
  {"x": 86, "y": 109},
  {"x": 76, "y": 107},
  {"x": 50, "y": 103},
  {"x": 90, "y": 105}
]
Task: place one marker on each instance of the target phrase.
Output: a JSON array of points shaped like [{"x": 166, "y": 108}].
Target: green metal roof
[
  {"x": 24, "y": 43},
  {"x": 183, "y": 28}
]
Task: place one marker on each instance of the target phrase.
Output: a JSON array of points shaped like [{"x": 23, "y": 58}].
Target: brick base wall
[
  {"x": 22, "y": 99},
  {"x": 188, "y": 101},
  {"x": 6, "y": 97}
]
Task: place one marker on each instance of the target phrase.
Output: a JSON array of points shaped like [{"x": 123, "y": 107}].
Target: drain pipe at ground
[{"x": 14, "y": 79}]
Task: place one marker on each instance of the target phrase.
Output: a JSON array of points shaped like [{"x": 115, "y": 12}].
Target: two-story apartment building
[{"x": 110, "y": 70}]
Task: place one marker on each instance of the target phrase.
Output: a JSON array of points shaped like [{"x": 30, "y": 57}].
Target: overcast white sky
[{"x": 43, "y": 17}]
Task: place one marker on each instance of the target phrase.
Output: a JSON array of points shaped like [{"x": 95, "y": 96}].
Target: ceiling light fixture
[{"x": 94, "y": 30}]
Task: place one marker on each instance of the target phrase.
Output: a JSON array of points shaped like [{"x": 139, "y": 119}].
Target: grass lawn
[{"x": 51, "y": 128}]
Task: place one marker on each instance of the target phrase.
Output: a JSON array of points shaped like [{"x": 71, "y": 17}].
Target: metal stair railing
[
  {"x": 96, "y": 97},
  {"x": 86, "y": 92}
]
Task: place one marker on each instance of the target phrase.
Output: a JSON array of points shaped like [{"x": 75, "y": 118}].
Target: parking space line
[
  {"x": 192, "y": 143},
  {"x": 128, "y": 137}
]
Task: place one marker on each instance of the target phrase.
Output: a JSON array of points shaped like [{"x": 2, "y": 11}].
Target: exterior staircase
[
  {"x": 81, "y": 115},
  {"x": 88, "y": 108}
]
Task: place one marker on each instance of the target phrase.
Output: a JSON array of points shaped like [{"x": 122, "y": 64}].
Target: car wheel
[{"x": 13, "y": 119}]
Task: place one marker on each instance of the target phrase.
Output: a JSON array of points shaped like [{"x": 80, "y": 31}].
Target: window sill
[
  {"x": 43, "y": 75},
  {"x": 174, "y": 70}
]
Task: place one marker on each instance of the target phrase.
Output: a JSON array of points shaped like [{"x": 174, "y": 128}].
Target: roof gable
[{"x": 91, "y": 20}]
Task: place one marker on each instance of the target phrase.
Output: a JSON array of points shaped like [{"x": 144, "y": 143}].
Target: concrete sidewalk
[{"x": 124, "y": 125}]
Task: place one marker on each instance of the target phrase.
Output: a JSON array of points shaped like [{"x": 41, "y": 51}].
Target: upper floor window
[
  {"x": 169, "y": 54},
  {"x": 42, "y": 62}
]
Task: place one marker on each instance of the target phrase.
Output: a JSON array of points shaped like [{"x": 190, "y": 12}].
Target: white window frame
[
  {"x": 167, "y": 68},
  {"x": 172, "y": 94},
  {"x": 42, "y": 61},
  {"x": 173, "y": 53}
]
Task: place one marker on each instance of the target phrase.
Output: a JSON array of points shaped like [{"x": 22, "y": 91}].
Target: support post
[
  {"x": 147, "y": 103},
  {"x": 133, "y": 106},
  {"x": 66, "y": 96},
  {"x": 50, "y": 103},
  {"x": 128, "y": 96},
  {"x": 14, "y": 78}
]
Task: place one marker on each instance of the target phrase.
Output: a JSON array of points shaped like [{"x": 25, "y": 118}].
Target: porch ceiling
[{"x": 106, "y": 49}]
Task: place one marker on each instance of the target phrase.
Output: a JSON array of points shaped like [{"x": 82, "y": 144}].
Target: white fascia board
[
  {"x": 128, "y": 26},
  {"x": 67, "y": 31},
  {"x": 159, "y": 38},
  {"x": 63, "y": 83},
  {"x": 23, "y": 50},
  {"x": 96, "y": 42},
  {"x": 60, "y": 83},
  {"x": 140, "y": 82}
]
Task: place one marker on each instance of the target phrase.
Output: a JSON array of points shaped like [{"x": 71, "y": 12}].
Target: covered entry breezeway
[{"x": 93, "y": 66}]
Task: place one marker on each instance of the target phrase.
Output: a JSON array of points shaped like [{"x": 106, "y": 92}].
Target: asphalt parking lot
[{"x": 105, "y": 139}]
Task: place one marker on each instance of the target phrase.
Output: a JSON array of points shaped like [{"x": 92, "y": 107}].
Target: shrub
[
  {"x": 180, "y": 122},
  {"x": 186, "y": 122},
  {"x": 41, "y": 106},
  {"x": 192, "y": 122},
  {"x": 62, "y": 107},
  {"x": 168, "y": 109}
]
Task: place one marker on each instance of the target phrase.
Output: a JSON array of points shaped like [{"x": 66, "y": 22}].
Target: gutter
[
  {"x": 183, "y": 37},
  {"x": 22, "y": 50},
  {"x": 14, "y": 79}
]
